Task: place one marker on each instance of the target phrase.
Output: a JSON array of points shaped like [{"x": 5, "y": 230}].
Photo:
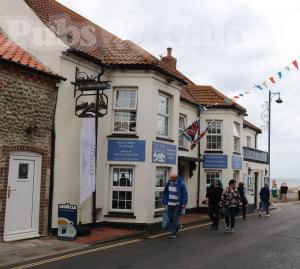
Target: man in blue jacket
[
  {"x": 175, "y": 197},
  {"x": 265, "y": 200}
]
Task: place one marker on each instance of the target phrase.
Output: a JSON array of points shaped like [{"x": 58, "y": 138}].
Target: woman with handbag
[{"x": 231, "y": 201}]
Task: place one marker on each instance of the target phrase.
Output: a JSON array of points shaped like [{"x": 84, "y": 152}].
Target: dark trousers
[
  {"x": 174, "y": 214},
  {"x": 230, "y": 213},
  {"x": 244, "y": 210},
  {"x": 214, "y": 212},
  {"x": 264, "y": 206}
]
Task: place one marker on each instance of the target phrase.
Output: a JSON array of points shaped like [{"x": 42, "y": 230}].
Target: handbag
[{"x": 165, "y": 220}]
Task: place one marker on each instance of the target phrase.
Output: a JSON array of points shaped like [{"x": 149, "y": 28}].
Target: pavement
[
  {"x": 267, "y": 242},
  {"x": 19, "y": 252}
]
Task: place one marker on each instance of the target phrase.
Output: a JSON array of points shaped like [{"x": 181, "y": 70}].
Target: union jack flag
[
  {"x": 197, "y": 140},
  {"x": 190, "y": 132}
]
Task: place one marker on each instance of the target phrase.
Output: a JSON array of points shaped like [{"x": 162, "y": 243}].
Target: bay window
[
  {"x": 214, "y": 135},
  {"x": 163, "y": 114},
  {"x": 236, "y": 137},
  {"x": 182, "y": 126},
  {"x": 125, "y": 110}
]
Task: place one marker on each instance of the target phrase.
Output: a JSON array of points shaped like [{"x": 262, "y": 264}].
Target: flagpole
[{"x": 199, "y": 161}]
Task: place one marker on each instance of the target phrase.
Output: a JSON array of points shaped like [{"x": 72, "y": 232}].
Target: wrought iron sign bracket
[{"x": 86, "y": 86}]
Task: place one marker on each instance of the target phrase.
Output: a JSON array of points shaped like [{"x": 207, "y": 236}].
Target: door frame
[{"x": 34, "y": 232}]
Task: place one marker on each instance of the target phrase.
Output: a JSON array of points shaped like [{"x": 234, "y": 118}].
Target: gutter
[{"x": 52, "y": 166}]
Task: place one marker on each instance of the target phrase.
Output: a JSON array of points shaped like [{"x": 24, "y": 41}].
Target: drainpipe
[
  {"x": 199, "y": 163},
  {"x": 52, "y": 159}
]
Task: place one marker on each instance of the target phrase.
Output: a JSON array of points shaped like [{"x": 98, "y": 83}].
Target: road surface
[{"x": 272, "y": 242}]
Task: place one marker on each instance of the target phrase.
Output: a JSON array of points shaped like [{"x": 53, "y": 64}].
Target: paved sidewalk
[{"x": 27, "y": 250}]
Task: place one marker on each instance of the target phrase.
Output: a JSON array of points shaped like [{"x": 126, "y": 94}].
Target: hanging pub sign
[
  {"x": 67, "y": 222},
  {"x": 91, "y": 100}
]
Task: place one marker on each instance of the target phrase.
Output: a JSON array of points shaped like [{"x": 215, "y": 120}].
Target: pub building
[{"x": 139, "y": 136}]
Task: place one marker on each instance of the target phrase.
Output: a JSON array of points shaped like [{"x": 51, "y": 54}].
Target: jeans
[
  {"x": 230, "y": 213},
  {"x": 264, "y": 206},
  {"x": 174, "y": 214},
  {"x": 214, "y": 212}
]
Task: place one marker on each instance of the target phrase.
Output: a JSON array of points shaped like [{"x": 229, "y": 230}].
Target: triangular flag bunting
[
  {"x": 295, "y": 64},
  {"x": 287, "y": 68},
  {"x": 272, "y": 80},
  {"x": 265, "y": 84},
  {"x": 241, "y": 94},
  {"x": 279, "y": 75},
  {"x": 259, "y": 87},
  {"x": 236, "y": 97}
]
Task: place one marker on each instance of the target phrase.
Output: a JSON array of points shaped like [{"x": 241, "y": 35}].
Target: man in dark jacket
[
  {"x": 175, "y": 197},
  {"x": 264, "y": 200},
  {"x": 213, "y": 195}
]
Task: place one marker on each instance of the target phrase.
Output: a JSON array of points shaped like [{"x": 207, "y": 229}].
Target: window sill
[
  {"x": 123, "y": 135},
  {"x": 236, "y": 153},
  {"x": 120, "y": 215},
  {"x": 213, "y": 151},
  {"x": 182, "y": 149},
  {"x": 164, "y": 139},
  {"x": 158, "y": 214}
]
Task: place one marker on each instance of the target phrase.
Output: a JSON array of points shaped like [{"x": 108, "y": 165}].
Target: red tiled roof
[
  {"x": 185, "y": 95},
  {"x": 104, "y": 47},
  {"x": 10, "y": 51},
  {"x": 209, "y": 96},
  {"x": 251, "y": 126}
]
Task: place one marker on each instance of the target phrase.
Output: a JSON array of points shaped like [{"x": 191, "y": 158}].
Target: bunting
[
  {"x": 295, "y": 64},
  {"x": 264, "y": 85},
  {"x": 279, "y": 75},
  {"x": 272, "y": 80}
]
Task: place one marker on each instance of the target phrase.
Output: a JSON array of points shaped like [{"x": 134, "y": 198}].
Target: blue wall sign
[
  {"x": 215, "y": 161},
  {"x": 237, "y": 162},
  {"x": 126, "y": 150},
  {"x": 164, "y": 153}
]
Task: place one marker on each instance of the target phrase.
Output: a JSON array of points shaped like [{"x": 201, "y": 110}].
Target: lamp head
[{"x": 279, "y": 100}]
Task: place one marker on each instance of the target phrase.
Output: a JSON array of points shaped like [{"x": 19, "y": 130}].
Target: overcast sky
[{"x": 231, "y": 45}]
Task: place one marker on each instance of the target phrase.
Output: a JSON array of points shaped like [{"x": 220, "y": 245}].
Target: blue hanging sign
[
  {"x": 215, "y": 161},
  {"x": 164, "y": 153},
  {"x": 237, "y": 162},
  {"x": 126, "y": 150}
]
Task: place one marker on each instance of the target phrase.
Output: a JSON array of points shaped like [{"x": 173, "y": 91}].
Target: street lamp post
[{"x": 278, "y": 101}]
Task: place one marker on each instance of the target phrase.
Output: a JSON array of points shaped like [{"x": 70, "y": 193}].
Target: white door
[{"x": 23, "y": 197}]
